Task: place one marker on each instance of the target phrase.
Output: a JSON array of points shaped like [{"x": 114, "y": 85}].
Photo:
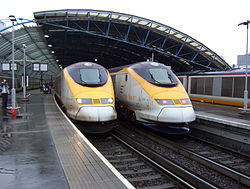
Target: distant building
[{"x": 242, "y": 60}]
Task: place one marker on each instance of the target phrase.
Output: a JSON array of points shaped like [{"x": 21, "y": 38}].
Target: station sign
[
  {"x": 40, "y": 67},
  {"x": 8, "y": 66},
  {"x": 44, "y": 67}
]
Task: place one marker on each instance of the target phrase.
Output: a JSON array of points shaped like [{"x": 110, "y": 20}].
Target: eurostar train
[
  {"x": 85, "y": 92},
  {"x": 222, "y": 87},
  {"x": 149, "y": 93}
]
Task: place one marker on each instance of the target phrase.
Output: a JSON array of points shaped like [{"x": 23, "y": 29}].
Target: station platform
[
  {"x": 40, "y": 148},
  {"x": 228, "y": 121}
]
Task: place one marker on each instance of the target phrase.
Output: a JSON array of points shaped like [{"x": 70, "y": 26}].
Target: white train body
[
  {"x": 151, "y": 103},
  {"x": 87, "y": 101}
]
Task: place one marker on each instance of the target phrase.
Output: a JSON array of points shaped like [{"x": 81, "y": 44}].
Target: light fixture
[
  {"x": 12, "y": 18},
  {"x": 245, "y": 107},
  {"x": 13, "y": 90}
]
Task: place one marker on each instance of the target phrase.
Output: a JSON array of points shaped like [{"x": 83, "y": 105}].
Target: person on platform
[{"x": 5, "y": 92}]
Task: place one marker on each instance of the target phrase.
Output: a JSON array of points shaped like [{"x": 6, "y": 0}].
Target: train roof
[
  {"x": 117, "y": 69},
  {"x": 84, "y": 65}
]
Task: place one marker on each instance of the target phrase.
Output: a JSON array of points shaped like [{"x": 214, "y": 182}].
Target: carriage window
[
  {"x": 239, "y": 87},
  {"x": 181, "y": 79},
  {"x": 197, "y": 86},
  {"x": 227, "y": 86},
  {"x": 90, "y": 75},
  {"x": 208, "y": 85},
  {"x": 194, "y": 86},
  {"x": 200, "y": 85}
]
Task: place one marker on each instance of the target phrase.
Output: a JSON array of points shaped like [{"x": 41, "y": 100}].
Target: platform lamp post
[
  {"x": 24, "y": 73},
  {"x": 245, "y": 108},
  {"x": 13, "y": 90}
]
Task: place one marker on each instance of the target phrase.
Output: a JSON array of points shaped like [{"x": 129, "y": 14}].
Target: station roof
[
  {"x": 115, "y": 39},
  {"x": 109, "y": 38},
  {"x": 31, "y": 40}
]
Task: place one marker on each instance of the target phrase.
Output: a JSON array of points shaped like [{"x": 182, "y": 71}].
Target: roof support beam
[
  {"x": 88, "y": 26},
  {"x": 148, "y": 32},
  {"x": 164, "y": 42},
  {"x": 136, "y": 31},
  {"x": 109, "y": 24},
  {"x": 134, "y": 44},
  {"x": 183, "y": 44},
  {"x": 129, "y": 28}
]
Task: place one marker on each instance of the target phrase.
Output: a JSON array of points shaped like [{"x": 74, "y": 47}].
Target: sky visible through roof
[{"x": 214, "y": 23}]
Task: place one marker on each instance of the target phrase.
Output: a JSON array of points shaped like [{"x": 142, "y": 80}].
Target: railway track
[
  {"x": 140, "y": 170},
  {"x": 199, "y": 168}
]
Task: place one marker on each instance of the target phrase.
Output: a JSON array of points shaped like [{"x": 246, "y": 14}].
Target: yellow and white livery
[
  {"x": 86, "y": 93},
  {"x": 150, "y": 93}
]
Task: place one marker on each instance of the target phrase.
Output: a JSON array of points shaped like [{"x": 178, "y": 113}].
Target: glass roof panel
[
  {"x": 161, "y": 28},
  {"x": 62, "y": 13},
  {"x": 154, "y": 25},
  {"x": 209, "y": 53},
  {"x": 123, "y": 18},
  {"x": 172, "y": 32},
  {"x": 114, "y": 16},
  {"x": 94, "y": 13},
  {"x": 81, "y": 14},
  {"x": 195, "y": 44},
  {"x": 203, "y": 49},
  {"x": 178, "y": 35},
  {"x": 143, "y": 22},
  {"x": 188, "y": 40},
  {"x": 104, "y": 15},
  {"x": 135, "y": 20}
]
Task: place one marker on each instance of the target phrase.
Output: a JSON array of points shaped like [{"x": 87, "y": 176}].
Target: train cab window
[
  {"x": 156, "y": 73},
  {"x": 126, "y": 77},
  {"x": 160, "y": 76},
  {"x": 90, "y": 75}
]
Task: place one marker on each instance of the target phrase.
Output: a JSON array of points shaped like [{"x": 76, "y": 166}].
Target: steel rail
[
  {"x": 240, "y": 177},
  {"x": 179, "y": 173}
]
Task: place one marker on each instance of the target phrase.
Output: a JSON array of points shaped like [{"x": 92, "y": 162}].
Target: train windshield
[
  {"x": 90, "y": 75},
  {"x": 156, "y": 73},
  {"x": 161, "y": 76}
]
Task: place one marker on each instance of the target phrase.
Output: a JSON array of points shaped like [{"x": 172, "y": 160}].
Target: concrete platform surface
[
  {"x": 223, "y": 114},
  {"x": 28, "y": 158},
  {"x": 41, "y": 149}
]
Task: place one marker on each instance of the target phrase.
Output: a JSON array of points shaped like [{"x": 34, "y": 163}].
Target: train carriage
[
  {"x": 225, "y": 87},
  {"x": 86, "y": 93},
  {"x": 149, "y": 93}
]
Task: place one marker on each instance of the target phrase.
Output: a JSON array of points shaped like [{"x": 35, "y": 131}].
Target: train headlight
[
  {"x": 185, "y": 101},
  {"x": 107, "y": 100},
  {"x": 165, "y": 101},
  {"x": 84, "y": 100}
]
